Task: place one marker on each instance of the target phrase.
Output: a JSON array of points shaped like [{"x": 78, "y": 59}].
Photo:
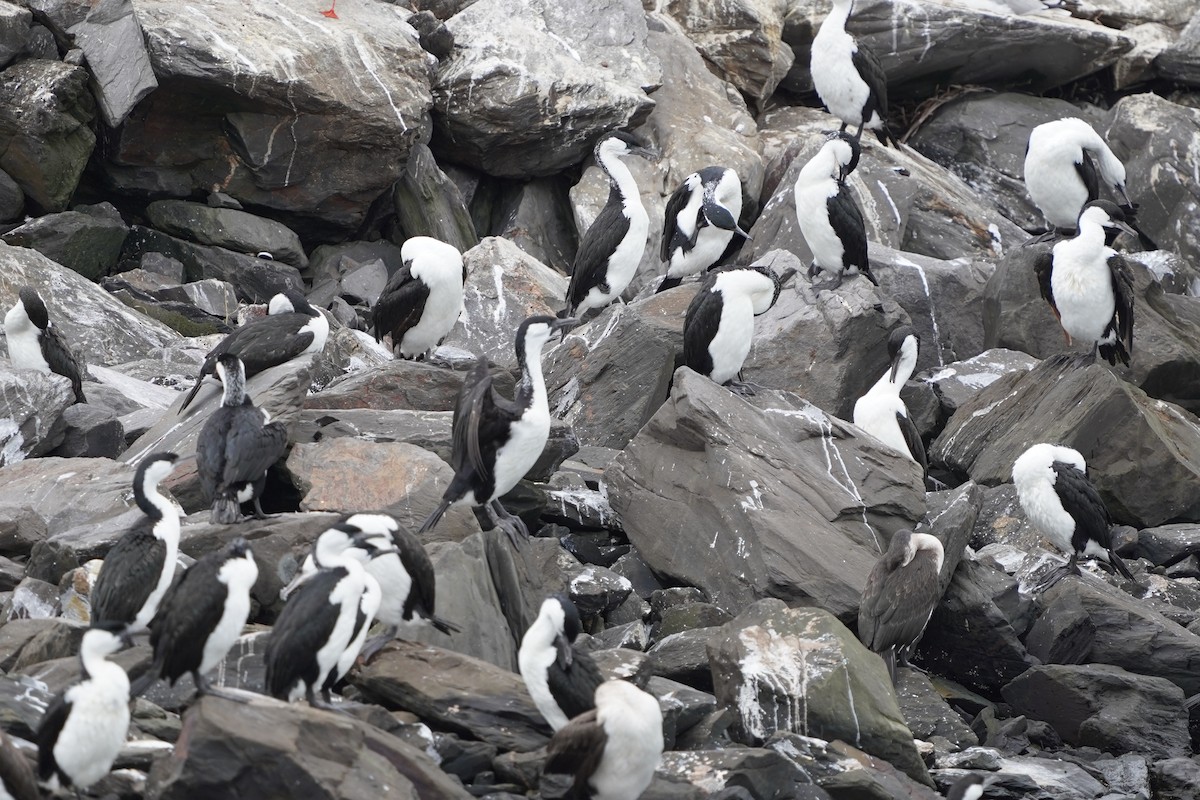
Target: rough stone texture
[
  {"x": 428, "y": 203},
  {"x": 1166, "y": 332},
  {"x": 277, "y": 127},
  {"x": 250, "y": 749},
  {"x": 45, "y": 134},
  {"x": 536, "y": 216},
  {"x": 1181, "y": 61},
  {"x": 844, "y": 336},
  {"x": 1145, "y": 477},
  {"x": 67, "y": 492},
  {"x": 111, "y": 40},
  {"x": 908, "y": 203},
  {"x": 956, "y": 383},
  {"x": 91, "y": 432},
  {"x": 31, "y": 410},
  {"x": 1176, "y": 778},
  {"x": 1150, "y": 41},
  {"x": 456, "y": 693},
  {"x": 519, "y": 68},
  {"x": 741, "y": 39},
  {"x": 927, "y": 714},
  {"x": 741, "y": 772},
  {"x": 1168, "y": 544},
  {"x": 605, "y": 388},
  {"x": 789, "y": 497},
  {"x": 12, "y": 200},
  {"x": 1063, "y": 632},
  {"x": 14, "y": 31},
  {"x": 20, "y": 529},
  {"x": 504, "y": 286},
  {"x": 1105, "y": 707},
  {"x": 950, "y": 516},
  {"x": 349, "y": 475},
  {"x": 87, "y": 242},
  {"x": 800, "y": 670},
  {"x": 228, "y": 228},
  {"x": 401, "y": 384}
]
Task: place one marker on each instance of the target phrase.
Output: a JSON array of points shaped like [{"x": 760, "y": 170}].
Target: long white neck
[
  {"x": 534, "y": 382},
  {"x": 1089, "y": 237},
  {"x": 101, "y": 670},
  {"x": 839, "y": 14},
  {"x": 619, "y": 174}
]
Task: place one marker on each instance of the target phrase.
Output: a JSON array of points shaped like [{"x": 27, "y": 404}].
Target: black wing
[
  {"x": 302, "y": 628},
  {"x": 591, "y": 259},
  {"x": 846, "y": 218},
  {"x": 869, "y": 68},
  {"x": 189, "y": 612},
  {"x": 423, "y": 592},
  {"x": 62, "y": 361},
  {"x": 700, "y": 326},
  {"x": 400, "y": 305},
  {"x": 16, "y": 772},
  {"x": 271, "y": 341},
  {"x": 1089, "y": 175},
  {"x": 128, "y": 576},
  {"x": 1122, "y": 321},
  {"x": 912, "y": 437},
  {"x": 1080, "y": 499},
  {"x": 1043, "y": 267},
  {"x": 250, "y": 446},
  {"x": 897, "y": 603},
  {"x": 672, "y": 237},
  {"x": 574, "y": 688},
  {"x": 47, "y": 735},
  {"x": 481, "y": 419},
  {"x": 210, "y": 450},
  {"x": 577, "y": 749}
]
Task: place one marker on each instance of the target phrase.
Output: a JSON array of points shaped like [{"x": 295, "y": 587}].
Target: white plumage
[{"x": 1053, "y": 161}]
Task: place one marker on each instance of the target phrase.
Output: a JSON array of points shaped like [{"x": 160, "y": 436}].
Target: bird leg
[
  {"x": 1087, "y": 359},
  {"x": 205, "y": 687},
  {"x": 331, "y": 12},
  {"x": 376, "y": 643},
  {"x": 742, "y": 387},
  {"x": 258, "y": 509},
  {"x": 512, "y": 525},
  {"x": 1070, "y": 568},
  {"x": 834, "y": 283}
]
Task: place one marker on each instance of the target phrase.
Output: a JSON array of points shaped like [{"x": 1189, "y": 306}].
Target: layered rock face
[{"x": 167, "y": 168}]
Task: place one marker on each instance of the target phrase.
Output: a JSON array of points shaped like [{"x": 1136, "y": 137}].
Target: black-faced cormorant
[
  {"x": 881, "y": 413},
  {"x": 33, "y": 343},
  {"x": 848, "y": 77},
  {"x": 497, "y": 440},
  {"x": 237, "y": 445},
  {"x": 423, "y": 299},
  {"x": 139, "y": 568},
  {"x": 1065, "y": 161},
  {"x": 561, "y": 679},
  {"x": 700, "y": 221},
  {"x": 828, "y": 214}
]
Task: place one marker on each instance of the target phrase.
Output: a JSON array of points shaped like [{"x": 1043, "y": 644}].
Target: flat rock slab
[
  {"x": 31, "y": 412},
  {"x": 69, "y": 491},
  {"x": 1080, "y": 407},
  {"x": 456, "y": 693},
  {"x": 229, "y": 228},
  {"x": 401, "y": 384},
  {"x": 792, "y": 502}
]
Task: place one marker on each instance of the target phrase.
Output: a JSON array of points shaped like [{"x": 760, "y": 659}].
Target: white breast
[
  {"x": 812, "y": 213},
  {"x": 24, "y": 341},
  {"x": 875, "y": 412},
  {"x": 95, "y": 728},
  {"x": 634, "y": 747},
  {"x": 1083, "y": 292},
  {"x": 167, "y": 530},
  {"x": 536, "y": 655},
  {"x": 834, "y": 76},
  {"x": 1046, "y": 512},
  {"x": 731, "y": 344},
  {"x": 396, "y": 584},
  {"x": 238, "y": 575},
  {"x": 527, "y": 440},
  {"x": 442, "y": 307},
  {"x": 345, "y": 596},
  {"x": 368, "y": 604}
]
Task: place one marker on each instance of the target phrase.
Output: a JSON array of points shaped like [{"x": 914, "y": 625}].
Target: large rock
[
  {"x": 609, "y": 376},
  {"x": 800, "y": 670},
  {"x": 1166, "y": 335},
  {"x": 536, "y": 216},
  {"x": 31, "y": 408},
  {"x": 45, "y": 129},
  {"x": 791, "y": 496},
  {"x": 428, "y": 203},
  {"x": 520, "y": 67},
  {"x": 14, "y": 31},
  {"x": 87, "y": 239},
  {"x": 743, "y": 40},
  {"x": 280, "y": 128},
  {"x": 504, "y": 286},
  {"x": 101, "y": 329},
  {"x": 256, "y": 747},
  {"x": 228, "y": 228},
  {"x": 401, "y": 384},
  {"x": 956, "y": 383},
  {"x": 1181, "y": 61},
  {"x": 1069, "y": 405},
  {"x": 111, "y": 40},
  {"x": 908, "y": 202},
  {"x": 67, "y": 492},
  {"x": 1104, "y": 707}
]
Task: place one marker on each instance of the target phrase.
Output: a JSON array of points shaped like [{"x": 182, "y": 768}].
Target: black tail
[
  {"x": 192, "y": 394},
  {"x": 144, "y": 681},
  {"x": 668, "y": 283},
  {"x": 435, "y": 517},
  {"x": 225, "y": 511},
  {"x": 1120, "y": 566},
  {"x": 442, "y": 625},
  {"x": 1114, "y": 352}
]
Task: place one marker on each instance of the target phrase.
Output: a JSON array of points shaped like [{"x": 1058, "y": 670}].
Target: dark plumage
[
  {"x": 899, "y": 597},
  {"x": 16, "y": 773},
  {"x": 291, "y": 328},
  {"x": 561, "y": 679},
  {"x": 700, "y": 221},
  {"x": 236, "y": 447},
  {"x": 828, "y": 214},
  {"x": 848, "y": 76},
  {"x": 33, "y": 343},
  {"x": 423, "y": 299}
]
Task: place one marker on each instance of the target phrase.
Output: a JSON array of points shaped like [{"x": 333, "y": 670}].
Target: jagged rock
[
  {"x": 504, "y": 286},
  {"x": 927, "y": 714},
  {"x": 1131, "y": 636},
  {"x": 429, "y": 430},
  {"x": 1125, "y": 13},
  {"x": 757, "y": 772},
  {"x": 956, "y": 383},
  {"x": 778, "y": 669},
  {"x": 455, "y": 693},
  {"x": 1063, "y": 632},
  {"x": 14, "y": 30},
  {"x": 111, "y": 40},
  {"x": 683, "y": 657},
  {"x": 1176, "y": 778},
  {"x": 969, "y": 638},
  {"x": 1150, "y": 41},
  {"x": 87, "y": 239},
  {"x": 908, "y": 203},
  {"x": 1018, "y": 776},
  {"x": 12, "y": 200},
  {"x": 90, "y": 433},
  {"x": 1002, "y": 520},
  {"x": 218, "y": 298},
  {"x": 982, "y": 138},
  {"x": 31, "y": 409},
  {"x": 45, "y": 129},
  {"x": 742, "y": 40},
  {"x": 20, "y": 529},
  {"x": 1181, "y": 61},
  {"x": 1168, "y": 544},
  {"x": 1064, "y": 404},
  {"x": 950, "y": 516},
  {"x": 519, "y": 68},
  {"x": 844, "y": 335},
  {"x": 346, "y": 351},
  {"x": 605, "y": 388},
  {"x": 347, "y": 475},
  {"x": 257, "y": 280},
  {"x": 182, "y": 317},
  {"x": 227, "y": 228},
  {"x": 256, "y": 747},
  {"x": 401, "y": 384},
  {"x": 1166, "y": 336},
  {"x": 536, "y": 216},
  {"x": 32, "y": 599},
  {"x": 281, "y": 130},
  {"x": 1105, "y": 707},
  {"x": 740, "y": 478},
  {"x": 428, "y": 203}
]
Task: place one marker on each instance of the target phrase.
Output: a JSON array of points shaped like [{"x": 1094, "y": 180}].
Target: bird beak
[
  {"x": 1124, "y": 227},
  {"x": 895, "y": 367},
  {"x": 738, "y": 230},
  {"x": 386, "y": 551},
  {"x": 563, "y": 647},
  {"x": 645, "y": 152},
  {"x": 126, "y": 638},
  {"x": 1124, "y": 195}
]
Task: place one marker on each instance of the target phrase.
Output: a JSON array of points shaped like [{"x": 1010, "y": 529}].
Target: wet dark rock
[
  {"x": 1175, "y": 778},
  {"x": 87, "y": 241},
  {"x": 1063, "y": 632},
  {"x": 14, "y": 30},
  {"x": 927, "y": 714},
  {"x": 428, "y": 203},
  {"x": 365, "y": 282},
  {"x": 90, "y": 433},
  {"x": 536, "y": 216},
  {"x": 12, "y": 200},
  {"x": 734, "y": 773},
  {"x": 683, "y": 657},
  {"x": 111, "y": 40},
  {"x": 1168, "y": 544},
  {"x": 227, "y": 228},
  {"x": 20, "y": 529},
  {"x": 31, "y": 408},
  {"x": 1105, "y": 707},
  {"x": 400, "y": 384},
  {"x": 46, "y": 112}
]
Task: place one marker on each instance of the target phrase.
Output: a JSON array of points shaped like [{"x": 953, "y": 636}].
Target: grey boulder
[
  {"x": 111, "y": 40},
  {"x": 31, "y": 410},
  {"x": 87, "y": 239},
  {"x": 228, "y": 228}
]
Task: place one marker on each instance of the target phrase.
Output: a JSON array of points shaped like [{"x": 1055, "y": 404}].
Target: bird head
[
  {"x": 1107, "y": 215},
  {"x": 619, "y": 144},
  {"x": 903, "y": 347}
]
